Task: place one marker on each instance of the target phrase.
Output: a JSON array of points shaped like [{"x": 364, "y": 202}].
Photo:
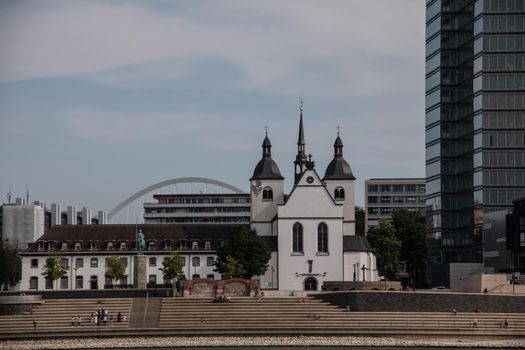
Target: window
[
  {"x": 94, "y": 262},
  {"x": 151, "y": 245},
  {"x": 268, "y": 194},
  {"x": 124, "y": 281},
  {"x": 339, "y": 194},
  {"x": 64, "y": 282},
  {"x": 34, "y": 263},
  {"x": 41, "y": 246},
  {"x": 322, "y": 238},
  {"x": 194, "y": 245},
  {"x": 33, "y": 282},
  {"x": 122, "y": 246},
  {"x": 106, "y": 261},
  {"x": 210, "y": 261},
  {"x": 79, "y": 262},
  {"x": 49, "y": 284},
  {"x": 92, "y": 245},
  {"x": 182, "y": 245},
  {"x": 110, "y": 246},
  {"x": 51, "y": 246},
  {"x": 65, "y": 262},
  {"x": 167, "y": 245},
  {"x": 77, "y": 246},
  {"x": 196, "y": 261},
  {"x": 210, "y": 276},
  {"x": 64, "y": 246},
  {"x": 297, "y": 238},
  {"x": 152, "y": 279},
  {"x": 195, "y": 276},
  {"x": 152, "y": 262},
  {"x": 79, "y": 282},
  {"x": 207, "y": 245},
  {"x": 184, "y": 260},
  {"x": 124, "y": 261}
]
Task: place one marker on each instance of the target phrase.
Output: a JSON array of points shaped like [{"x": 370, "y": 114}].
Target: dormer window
[
  {"x": 268, "y": 194},
  {"x": 77, "y": 246},
  {"x": 182, "y": 245},
  {"x": 110, "y": 246},
  {"x": 41, "y": 246},
  {"x": 151, "y": 245},
  {"x": 92, "y": 245},
  {"x": 122, "y": 246},
  {"x": 339, "y": 194},
  {"x": 194, "y": 245},
  {"x": 51, "y": 246},
  {"x": 64, "y": 246},
  {"x": 167, "y": 245},
  {"x": 207, "y": 245}
]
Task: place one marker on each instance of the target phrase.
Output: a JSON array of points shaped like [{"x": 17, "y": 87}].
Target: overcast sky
[{"x": 101, "y": 99}]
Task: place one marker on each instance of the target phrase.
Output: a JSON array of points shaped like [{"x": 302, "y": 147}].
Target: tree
[
  {"x": 410, "y": 230},
  {"x": 115, "y": 268},
  {"x": 172, "y": 267},
  {"x": 10, "y": 265},
  {"x": 359, "y": 221},
  {"x": 248, "y": 249},
  {"x": 386, "y": 248},
  {"x": 54, "y": 268},
  {"x": 233, "y": 268}
]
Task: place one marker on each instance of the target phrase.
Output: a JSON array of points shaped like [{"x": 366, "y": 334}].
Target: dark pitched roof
[
  {"x": 266, "y": 169},
  {"x": 338, "y": 169},
  {"x": 356, "y": 244},
  {"x": 156, "y": 233}
]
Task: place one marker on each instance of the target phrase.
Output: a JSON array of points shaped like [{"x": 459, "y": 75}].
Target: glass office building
[{"x": 475, "y": 121}]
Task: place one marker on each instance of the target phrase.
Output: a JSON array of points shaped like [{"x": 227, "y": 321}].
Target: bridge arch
[{"x": 161, "y": 184}]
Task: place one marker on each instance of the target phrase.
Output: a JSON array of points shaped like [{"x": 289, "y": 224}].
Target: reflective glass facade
[{"x": 475, "y": 120}]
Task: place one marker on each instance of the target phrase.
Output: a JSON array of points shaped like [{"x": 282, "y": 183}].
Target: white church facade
[{"x": 314, "y": 226}]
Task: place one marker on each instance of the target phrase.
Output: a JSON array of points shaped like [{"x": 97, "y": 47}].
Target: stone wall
[
  {"x": 18, "y": 304},
  {"x": 370, "y": 301}
]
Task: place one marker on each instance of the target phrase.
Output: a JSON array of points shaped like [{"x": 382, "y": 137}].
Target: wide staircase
[
  {"x": 55, "y": 315},
  {"x": 291, "y": 315}
]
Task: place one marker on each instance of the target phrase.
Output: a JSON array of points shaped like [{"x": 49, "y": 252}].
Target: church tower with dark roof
[
  {"x": 266, "y": 189},
  {"x": 339, "y": 181},
  {"x": 301, "y": 160}
]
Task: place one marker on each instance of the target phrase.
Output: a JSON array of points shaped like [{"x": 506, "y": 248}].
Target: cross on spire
[
  {"x": 301, "y": 103},
  {"x": 266, "y": 127},
  {"x": 338, "y": 129}
]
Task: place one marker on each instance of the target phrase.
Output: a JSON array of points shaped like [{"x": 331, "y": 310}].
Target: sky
[{"x": 99, "y": 99}]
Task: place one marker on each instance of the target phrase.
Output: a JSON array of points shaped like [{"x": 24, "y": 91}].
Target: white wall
[
  {"x": 264, "y": 211},
  {"x": 348, "y": 203},
  {"x": 22, "y": 224},
  {"x": 266, "y": 279},
  {"x": 359, "y": 259}
]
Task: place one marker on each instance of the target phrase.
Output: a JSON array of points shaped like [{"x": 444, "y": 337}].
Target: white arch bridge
[{"x": 182, "y": 180}]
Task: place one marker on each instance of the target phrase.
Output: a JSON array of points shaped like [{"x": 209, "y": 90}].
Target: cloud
[{"x": 277, "y": 45}]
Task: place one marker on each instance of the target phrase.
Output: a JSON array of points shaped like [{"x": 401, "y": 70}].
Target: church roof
[
  {"x": 338, "y": 169},
  {"x": 356, "y": 243},
  {"x": 266, "y": 169}
]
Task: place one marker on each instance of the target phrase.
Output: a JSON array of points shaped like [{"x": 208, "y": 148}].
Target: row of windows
[
  {"x": 396, "y": 188},
  {"x": 504, "y": 158},
  {"x": 388, "y": 211},
  {"x": 396, "y": 199},
  {"x": 502, "y": 43},
  {"x": 504, "y": 177},
  {"x": 197, "y": 210},
  {"x": 495, "y": 100},
  {"x": 509, "y": 23},
  {"x": 503, "y": 5},
  {"x": 93, "y": 262},
  {"x": 202, "y": 200},
  {"x": 504, "y": 120},
  {"x": 504, "y": 139},
  {"x": 503, "y": 62},
  {"x": 501, "y": 82},
  {"x": 499, "y": 197},
  {"x": 297, "y": 238},
  {"x": 168, "y": 245},
  {"x": 205, "y": 219}
]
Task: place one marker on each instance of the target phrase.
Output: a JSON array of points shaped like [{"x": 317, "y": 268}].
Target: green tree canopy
[
  {"x": 233, "y": 268},
  {"x": 172, "y": 267},
  {"x": 54, "y": 268},
  {"x": 386, "y": 248},
  {"x": 359, "y": 221},
  {"x": 115, "y": 268},
  {"x": 248, "y": 249},
  {"x": 410, "y": 230}
]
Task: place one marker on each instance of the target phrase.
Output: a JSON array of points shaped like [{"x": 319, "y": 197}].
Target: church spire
[{"x": 301, "y": 159}]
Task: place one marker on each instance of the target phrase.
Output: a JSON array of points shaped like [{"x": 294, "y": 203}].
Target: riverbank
[{"x": 299, "y": 341}]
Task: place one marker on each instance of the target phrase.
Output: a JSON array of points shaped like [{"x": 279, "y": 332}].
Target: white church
[{"x": 314, "y": 225}]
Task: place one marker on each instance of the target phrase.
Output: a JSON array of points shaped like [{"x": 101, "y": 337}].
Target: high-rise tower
[{"x": 475, "y": 121}]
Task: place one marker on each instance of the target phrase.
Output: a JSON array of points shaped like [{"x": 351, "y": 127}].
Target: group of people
[
  {"x": 103, "y": 316},
  {"x": 222, "y": 299}
]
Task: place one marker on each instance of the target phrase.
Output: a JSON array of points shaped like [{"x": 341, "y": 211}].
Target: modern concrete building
[
  {"x": 475, "y": 121},
  {"x": 21, "y": 223},
  {"x": 383, "y": 196},
  {"x": 199, "y": 209}
]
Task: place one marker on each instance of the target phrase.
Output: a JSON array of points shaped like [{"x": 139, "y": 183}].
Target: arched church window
[
  {"x": 339, "y": 194},
  {"x": 322, "y": 238},
  {"x": 267, "y": 194},
  {"x": 297, "y": 238}
]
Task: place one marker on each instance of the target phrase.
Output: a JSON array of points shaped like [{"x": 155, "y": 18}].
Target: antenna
[
  {"x": 27, "y": 194},
  {"x": 9, "y": 195}
]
